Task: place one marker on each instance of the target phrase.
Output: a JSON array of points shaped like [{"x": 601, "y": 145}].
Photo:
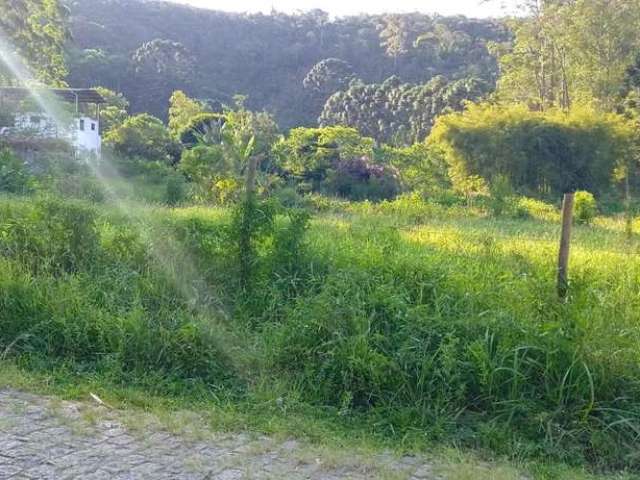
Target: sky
[{"x": 470, "y": 8}]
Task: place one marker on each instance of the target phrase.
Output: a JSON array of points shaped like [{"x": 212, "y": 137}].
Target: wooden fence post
[{"x": 565, "y": 241}]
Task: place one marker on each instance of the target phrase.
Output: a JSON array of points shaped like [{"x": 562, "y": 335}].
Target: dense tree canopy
[
  {"x": 143, "y": 136},
  {"x": 310, "y": 152},
  {"x": 569, "y": 52},
  {"x": 37, "y": 31},
  {"x": 329, "y": 76},
  {"x": 397, "y": 113},
  {"x": 266, "y": 57},
  {"x": 181, "y": 110},
  {"x": 114, "y": 112},
  {"x": 538, "y": 152},
  {"x": 158, "y": 68},
  {"x": 337, "y": 160}
]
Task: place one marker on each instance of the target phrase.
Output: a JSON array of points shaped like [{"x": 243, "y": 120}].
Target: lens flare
[{"x": 177, "y": 264}]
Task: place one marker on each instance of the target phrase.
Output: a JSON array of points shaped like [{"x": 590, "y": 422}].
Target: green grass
[
  {"x": 398, "y": 324},
  {"x": 318, "y": 430}
]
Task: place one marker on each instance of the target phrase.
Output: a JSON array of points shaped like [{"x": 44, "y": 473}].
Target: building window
[
  {"x": 93, "y": 127},
  {"x": 82, "y": 124}
]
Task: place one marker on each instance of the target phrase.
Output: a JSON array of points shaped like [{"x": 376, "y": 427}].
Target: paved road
[{"x": 45, "y": 438}]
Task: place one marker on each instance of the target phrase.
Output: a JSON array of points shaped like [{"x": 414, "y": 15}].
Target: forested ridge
[{"x": 149, "y": 49}]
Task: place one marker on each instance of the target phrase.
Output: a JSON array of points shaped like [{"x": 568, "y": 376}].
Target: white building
[
  {"x": 80, "y": 129},
  {"x": 87, "y": 134}
]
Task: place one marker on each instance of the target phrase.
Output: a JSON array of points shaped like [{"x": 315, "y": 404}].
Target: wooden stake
[{"x": 565, "y": 241}]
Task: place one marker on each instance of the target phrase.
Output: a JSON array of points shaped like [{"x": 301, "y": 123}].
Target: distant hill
[{"x": 146, "y": 49}]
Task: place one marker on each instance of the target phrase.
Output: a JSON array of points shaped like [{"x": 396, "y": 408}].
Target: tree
[
  {"x": 629, "y": 107},
  {"x": 540, "y": 153},
  {"x": 421, "y": 168},
  {"x": 569, "y": 52},
  {"x": 604, "y": 36},
  {"x": 37, "y": 30},
  {"x": 442, "y": 42},
  {"x": 97, "y": 66},
  {"x": 394, "y": 37},
  {"x": 339, "y": 161},
  {"x": 534, "y": 70},
  {"x": 181, "y": 110},
  {"x": 114, "y": 112},
  {"x": 397, "y": 113},
  {"x": 309, "y": 153},
  {"x": 202, "y": 128},
  {"x": 143, "y": 136},
  {"x": 221, "y": 148},
  {"x": 267, "y": 56},
  {"x": 329, "y": 76},
  {"x": 159, "y": 68}
]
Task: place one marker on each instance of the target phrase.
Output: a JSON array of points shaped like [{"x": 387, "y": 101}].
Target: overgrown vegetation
[
  {"x": 437, "y": 328},
  {"x": 392, "y": 269}
]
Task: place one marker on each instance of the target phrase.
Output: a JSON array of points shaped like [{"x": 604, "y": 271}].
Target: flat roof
[{"x": 81, "y": 95}]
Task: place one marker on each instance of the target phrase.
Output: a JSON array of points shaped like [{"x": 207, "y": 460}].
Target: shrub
[
  {"x": 531, "y": 207},
  {"x": 14, "y": 175},
  {"x": 288, "y": 197},
  {"x": 91, "y": 296},
  {"x": 176, "y": 189},
  {"x": 53, "y": 236},
  {"x": 501, "y": 193},
  {"x": 542, "y": 152},
  {"x": 203, "y": 126},
  {"x": 267, "y": 244},
  {"x": 143, "y": 136},
  {"x": 360, "y": 179},
  {"x": 310, "y": 153},
  {"x": 202, "y": 163},
  {"x": 153, "y": 171},
  {"x": 114, "y": 112},
  {"x": 585, "y": 207},
  {"x": 81, "y": 185},
  {"x": 420, "y": 167}
]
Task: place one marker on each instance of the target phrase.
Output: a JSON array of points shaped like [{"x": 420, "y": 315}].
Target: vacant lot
[{"x": 405, "y": 324}]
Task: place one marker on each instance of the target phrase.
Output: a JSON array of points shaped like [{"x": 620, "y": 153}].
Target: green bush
[
  {"x": 176, "y": 189},
  {"x": 81, "y": 185},
  {"x": 143, "y": 136},
  {"x": 52, "y": 235},
  {"x": 92, "y": 295},
  {"x": 532, "y": 208},
  {"x": 154, "y": 172},
  {"x": 288, "y": 197},
  {"x": 14, "y": 175},
  {"x": 585, "y": 207},
  {"x": 501, "y": 193},
  {"x": 540, "y": 153},
  {"x": 362, "y": 179},
  {"x": 337, "y": 161}
]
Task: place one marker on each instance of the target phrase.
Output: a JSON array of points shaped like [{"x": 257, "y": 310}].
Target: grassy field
[{"x": 403, "y": 323}]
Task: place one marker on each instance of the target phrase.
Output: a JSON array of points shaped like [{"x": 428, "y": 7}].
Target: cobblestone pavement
[{"x": 45, "y": 438}]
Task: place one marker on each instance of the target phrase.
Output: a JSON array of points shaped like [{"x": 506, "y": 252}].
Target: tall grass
[{"x": 416, "y": 323}]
